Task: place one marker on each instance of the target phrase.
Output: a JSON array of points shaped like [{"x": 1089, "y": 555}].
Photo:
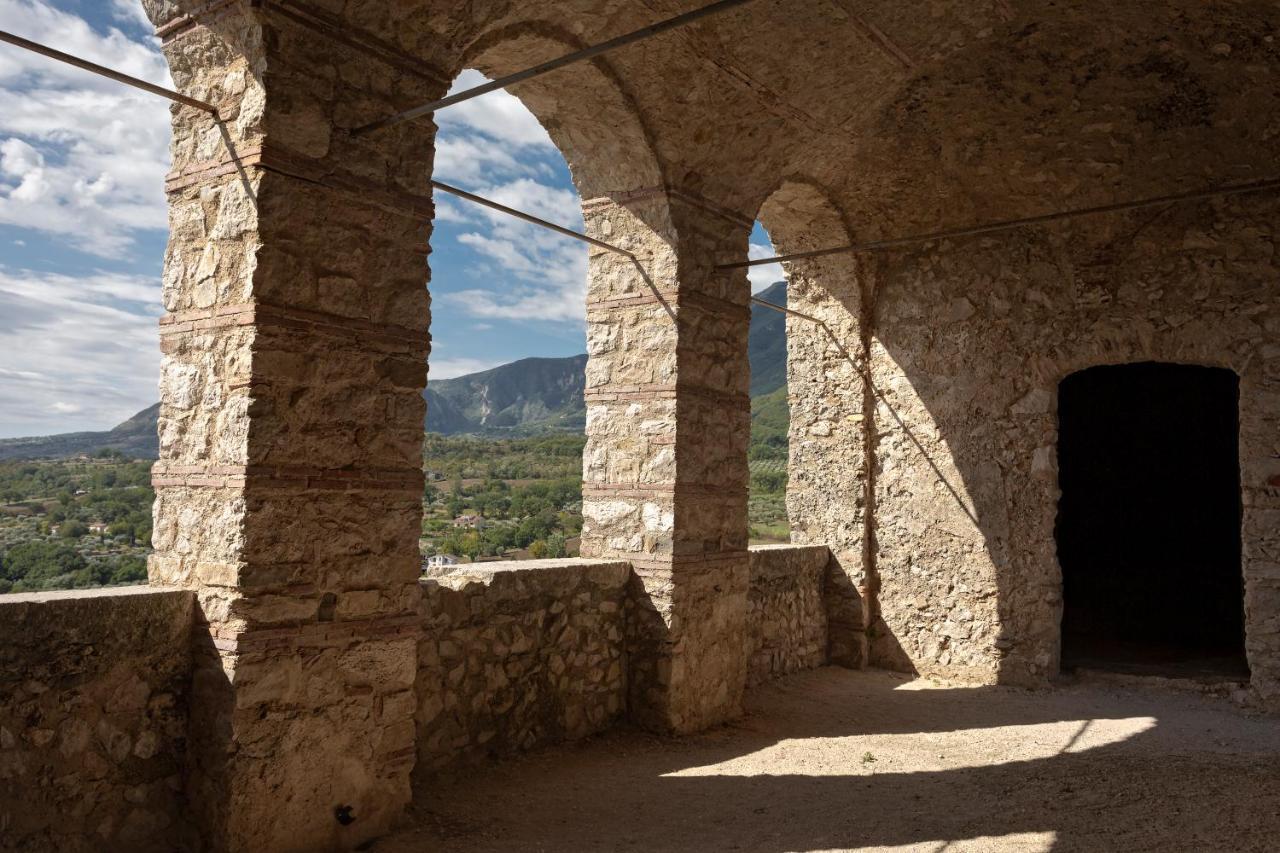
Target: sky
[{"x": 83, "y": 227}]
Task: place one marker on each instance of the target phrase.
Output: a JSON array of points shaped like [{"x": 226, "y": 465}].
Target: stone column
[
  {"x": 668, "y": 419},
  {"x": 289, "y": 481},
  {"x": 830, "y": 498}
]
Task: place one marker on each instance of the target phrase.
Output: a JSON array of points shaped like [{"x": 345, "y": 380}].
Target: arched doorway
[{"x": 1148, "y": 528}]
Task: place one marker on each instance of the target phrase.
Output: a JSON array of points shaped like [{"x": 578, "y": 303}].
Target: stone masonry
[
  {"x": 788, "y": 611},
  {"x": 516, "y": 655},
  {"x": 665, "y": 482},
  {"x": 97, "y": 715},
  {"x": 93, "y": 720},
  {"x": 963, "y": 342},
  {"x": 289, "y": 480},
  {"x": 297, "y": 319}
]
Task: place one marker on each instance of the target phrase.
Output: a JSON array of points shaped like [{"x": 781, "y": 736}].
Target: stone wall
[
  {"x": 93, "y": 719},
  {"x": 516, "y": 655},
  {"x": 665, "y": 467},
  {"x": 787, "y": 611},
  {"x": 969, "y": 341}
]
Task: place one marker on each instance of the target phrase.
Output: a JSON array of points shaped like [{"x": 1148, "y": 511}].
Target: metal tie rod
[
  {"x": 528, "y": 217},
  {"x": 18, "y": 41},
  {"x": 1007, "y": 225},
  {"x": 552, "y": 65},
  {"x": 568, "y": 232}
]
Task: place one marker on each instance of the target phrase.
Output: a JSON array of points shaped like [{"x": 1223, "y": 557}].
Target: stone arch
[
  {"x": 828, "y": 485},
  {"x": 667, "y": 411},
  {"x": 585, "y": 107}
]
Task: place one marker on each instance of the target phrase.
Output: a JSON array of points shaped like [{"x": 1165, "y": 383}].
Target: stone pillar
[
  {"x": 289, "y": 481},
  {"x": 829, "y": 494},
  {"x": 668, "y": 420}
]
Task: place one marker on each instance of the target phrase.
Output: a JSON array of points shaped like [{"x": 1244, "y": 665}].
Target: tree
[
  {"x": 470, "y": 544},
  {"x": 38, "y": 564},
  {"x": 73, "y": 529},
  {"x": 130, "y": 570}
]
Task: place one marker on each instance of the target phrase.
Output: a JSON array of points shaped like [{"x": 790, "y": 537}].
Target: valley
[{"x": 502, "y": 458}]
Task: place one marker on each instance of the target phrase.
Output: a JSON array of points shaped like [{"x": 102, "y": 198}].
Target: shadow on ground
[{"x": 842, "y": 760}]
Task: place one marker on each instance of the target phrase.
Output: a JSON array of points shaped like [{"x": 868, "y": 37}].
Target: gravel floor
[{"x": 841, "y": 760}]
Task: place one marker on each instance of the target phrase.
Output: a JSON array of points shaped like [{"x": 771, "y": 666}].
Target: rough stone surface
[
  {"x": 970, "y": 341},
  {"x": 518, "y": 655},
  {"x": 665, "y": 474},
  {"x": 297, "y": 331},
  {"x": 787, "y": 615},
  {"x": 289, "y": 480},
  {"x": 93, "y": 719}
]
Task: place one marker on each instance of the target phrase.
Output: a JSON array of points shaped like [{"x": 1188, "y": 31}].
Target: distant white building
[
  {"x": 470, "y": 522},
  {"x": 440, "y": 561}
]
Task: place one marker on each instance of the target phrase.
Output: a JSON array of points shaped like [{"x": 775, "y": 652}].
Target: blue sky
[{"x": 82, "y": 227}]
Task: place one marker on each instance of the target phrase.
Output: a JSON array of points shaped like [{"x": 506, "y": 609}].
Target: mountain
[
  {"x": 526, "y": 397},
  {"x": 767, "y": 342},
  {"x": 135, "y": 437},
  {"x": 538, "y": 395}
]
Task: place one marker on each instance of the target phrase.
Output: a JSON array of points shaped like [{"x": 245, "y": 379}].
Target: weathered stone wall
[
  {"x": 517, "y": 655},
  {"x": 829, "y": 437},
  {"x": 787, "y": 610},
  {"x": 297, "y": 330},
  {"x": 665, "y": 470},
  {"x": 93, "y": 719},
  {"x": 970, "y": 339}
]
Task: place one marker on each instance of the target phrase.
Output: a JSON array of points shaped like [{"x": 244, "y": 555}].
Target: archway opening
[
  {"x": 505, "y": 421},
  {"x": 770, "y": 415},
  {"x": 1148, "y": 528}
]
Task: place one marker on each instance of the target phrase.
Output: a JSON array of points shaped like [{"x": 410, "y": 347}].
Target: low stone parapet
[
  {"x": 515, "y": 655},
  {"x": 787, "y": 616},
  {"x": 93, "y": 718}
]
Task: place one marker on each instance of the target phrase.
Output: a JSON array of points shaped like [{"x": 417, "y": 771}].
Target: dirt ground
[{"x": 839, "y": 760}]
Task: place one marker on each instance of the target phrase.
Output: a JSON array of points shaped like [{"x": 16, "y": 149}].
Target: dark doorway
[{"x": 1148, "y": 525}]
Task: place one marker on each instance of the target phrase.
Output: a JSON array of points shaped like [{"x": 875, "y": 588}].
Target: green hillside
[{"x": 526, "y": 398}]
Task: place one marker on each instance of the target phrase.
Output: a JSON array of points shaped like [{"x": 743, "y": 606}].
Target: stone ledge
[
  {"x": 601, "y": 572},
  {"x": 518, "y": 654},
  {"x": 65, "y": 595},
  {"x": 771, "y": 561},
  {"x": 789, "y": 625}
]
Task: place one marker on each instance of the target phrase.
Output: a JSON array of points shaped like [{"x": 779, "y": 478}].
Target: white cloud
[
  {"x": 498, "y": 115},
  {"x": 81, "y": 157},
  {"x": 543, "y": 274},
  {"x": 130, "y": 11},
  {"x": 766, "y": 274},
  {"x": 494, "y": 146},
  {"x": 80, "y": 352},
  {"x": 448, "y": 368}
]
